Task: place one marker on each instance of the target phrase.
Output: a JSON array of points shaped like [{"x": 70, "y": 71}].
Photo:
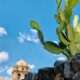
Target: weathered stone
[
  {"x": 58, "y": 67},
  {"x": 68, "y": 73},
  {"x": 59, "y": 76},
  {"x": 29, "y": 76},
  {"x": 68, "y": 70},
  {"x": 76, "y": 58},
  {"x": 75, "y": 63},
  {"x": 46, "y": 74},
  {"x": 76, "y": 76}
]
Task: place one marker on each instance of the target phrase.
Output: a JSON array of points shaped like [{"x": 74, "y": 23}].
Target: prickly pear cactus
[{"x": 69, "y": 35}]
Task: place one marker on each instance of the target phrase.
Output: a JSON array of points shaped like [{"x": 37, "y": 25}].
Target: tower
[{"x": 20, "y": 70}]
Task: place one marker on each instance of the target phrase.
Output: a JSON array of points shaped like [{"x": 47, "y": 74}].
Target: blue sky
[{"x": 19, "y": 41}]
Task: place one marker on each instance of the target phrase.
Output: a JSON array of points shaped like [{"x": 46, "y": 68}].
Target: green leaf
[
  {"x": 62, "y": 26},
  {"x": 74, "y": 3},
  {"x": 67, "y": 14},
  {"x": 34, "y": 25},
  {"x": 58, "y": 2},
  {"x": 76, "y": 37},
  {"x": 61, "y": 45},
  {"x": 73, "y": 48},
  {"x": 71, "y": 3},
  {"x": 52, "y": 47},
  {"x": 66, "y": 53},
  {"x": 61, "y": 14},
  {"x": 78, "y": 47},
  {"x": 57, "y": 19},
  {"x": 70, "y": 32},
  {"x": 40, "y": 35},
  {"x": 75, "y": 21},
  {"x": 62, "y": 37}
]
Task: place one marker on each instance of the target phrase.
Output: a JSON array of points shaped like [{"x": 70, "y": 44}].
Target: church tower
[{"x": 20, "y": 70}]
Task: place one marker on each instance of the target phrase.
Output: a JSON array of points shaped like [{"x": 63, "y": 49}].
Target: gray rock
[
  {"x": 76, "y": 76},
  {"x": 68, "y": 73},
  {"x": 76, "y": 58},
  {"x": 58, "y": 67},
  {"x": 29, "y": 76},
  {"x": 59, "y": 76},
  {"x": 45, "y": 74}
]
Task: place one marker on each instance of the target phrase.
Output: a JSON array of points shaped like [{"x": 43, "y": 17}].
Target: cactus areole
[{"x": 69, "y": 35}]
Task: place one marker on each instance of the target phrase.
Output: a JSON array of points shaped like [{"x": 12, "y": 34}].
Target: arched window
[
  {"x": 22, "y": 69},
  {"x": 19, "y": 75}
]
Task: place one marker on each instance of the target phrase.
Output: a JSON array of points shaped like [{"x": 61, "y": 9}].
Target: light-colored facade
[
  {"x": 3, "y": 78},
  {"x": 20, "y": 70}
]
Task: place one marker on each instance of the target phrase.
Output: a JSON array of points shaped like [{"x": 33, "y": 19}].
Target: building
[
  {"x": 3, "y": 78},
  {"x": 21, "y": 69}
]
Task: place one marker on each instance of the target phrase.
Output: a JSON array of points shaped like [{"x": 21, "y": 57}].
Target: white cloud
[
  {"x": 55, "y": 42},
  {"x": 62, "y": 59},
  {"x": 23, "y": 37},
  {"x": 9, "y": 71},
  {"x": 3, "y": 69},
  {"x": 32, "y": 38},
  {"x": 59, "y": 55},
  {"x": 2, "y": 31},
  {"x": 4, "y": 56},
  {"x": 32, "y": 66},
  {"x": 6, "y": 69},
  {"x": 33, "y": 31}
]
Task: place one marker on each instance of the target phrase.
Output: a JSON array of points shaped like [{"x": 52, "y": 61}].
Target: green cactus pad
[
  {"x": 72, "y": 3},
  {"x": 52, "y": 47},
  {"x": 57, "y": 19},
  {"x": 73, "y": 48},
  {"x": 66, "y": 53},
  {"x": 62, "y": 37},
  {"x": 67, "y": 14},
  {"x": 58, "y": 2},
  {"x": 70, "y": 32},
  {"x": 40, "y": 35},
  {"x": 34, "y": 25},
  {"x": 62, "y": 46}
]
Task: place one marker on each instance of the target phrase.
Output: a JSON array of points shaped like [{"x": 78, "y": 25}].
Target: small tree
[{"x": 69, "y": 35}]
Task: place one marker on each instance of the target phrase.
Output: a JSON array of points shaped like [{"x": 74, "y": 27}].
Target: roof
[{"x": 21, "y": 63}]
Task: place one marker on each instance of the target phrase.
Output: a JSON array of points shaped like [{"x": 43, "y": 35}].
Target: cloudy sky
[{"x": 19, "y": 41}]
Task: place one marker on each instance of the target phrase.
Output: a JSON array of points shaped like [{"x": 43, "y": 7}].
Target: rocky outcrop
[
  {"x": 62, "y": 70},
  {"x": 45, "y": 73}
]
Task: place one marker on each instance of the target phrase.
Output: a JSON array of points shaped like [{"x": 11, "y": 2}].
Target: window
[
  {"x": 22, "y": 69},
  {"x": 19, "y": 74}
]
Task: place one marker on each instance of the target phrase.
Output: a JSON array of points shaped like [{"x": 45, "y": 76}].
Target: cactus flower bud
[
  {"x": 78, "y": 29},
  {"x": 75, "y": 21},
  {"x": 66, "y": 2}
]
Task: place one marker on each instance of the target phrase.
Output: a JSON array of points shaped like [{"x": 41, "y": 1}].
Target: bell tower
[{"x": 20, "y": 70}]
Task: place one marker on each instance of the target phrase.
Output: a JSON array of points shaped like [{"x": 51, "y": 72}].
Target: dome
[{"x": 21, "y": 63}]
